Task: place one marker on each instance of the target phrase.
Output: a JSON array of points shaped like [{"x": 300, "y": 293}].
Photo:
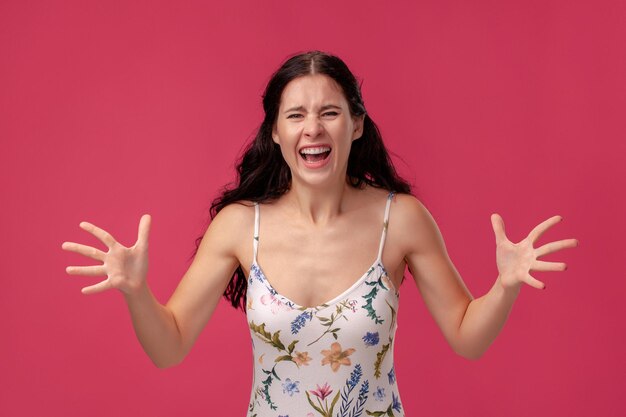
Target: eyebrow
[{"x": 324, "y": 107}]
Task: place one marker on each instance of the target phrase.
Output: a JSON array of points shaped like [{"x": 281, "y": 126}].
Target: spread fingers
[
  {"x": 88, "y": 251},
  {"x": 93, "y": 270}
]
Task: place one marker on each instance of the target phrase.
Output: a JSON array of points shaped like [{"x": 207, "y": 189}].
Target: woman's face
[{"x": 315, "y": 130}]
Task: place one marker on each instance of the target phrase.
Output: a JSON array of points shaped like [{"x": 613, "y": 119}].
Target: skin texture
[{"x": 315, "y": 241}]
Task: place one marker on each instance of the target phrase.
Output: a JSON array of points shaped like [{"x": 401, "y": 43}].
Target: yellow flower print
[
  {"x": 336, "y": 357},
  {"x": 301, "y": 358}
]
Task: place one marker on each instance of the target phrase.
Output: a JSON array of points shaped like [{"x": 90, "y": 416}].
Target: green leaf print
[
  {"x": 316, "y": 408},
  {"x": 379, "y": 358},
  {"x": 266, "y": 386},
  {"x": 387, "y": 412},
  {"x": 330, "y": 322},
  {"x": 253, "y": 402},
  {"x": 276, "y": 341},
  {"x": 393, "y": 315},
  {"x": 267, "y": 337},
  {"x": 370, "y": 296},
  {"x": 381, "y": 284},
  {"x": 368, "y": 305},
  {"x": 332, "y": 405}
]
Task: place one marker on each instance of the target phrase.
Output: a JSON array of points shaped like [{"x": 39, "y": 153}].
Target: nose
[{"x": 312, "y": 126}]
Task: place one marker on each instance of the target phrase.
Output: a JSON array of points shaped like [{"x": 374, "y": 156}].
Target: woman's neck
[{"x": 318, "y": 205}]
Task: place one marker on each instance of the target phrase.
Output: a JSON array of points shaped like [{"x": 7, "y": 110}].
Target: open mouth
[{"x": 315, "y": 154}]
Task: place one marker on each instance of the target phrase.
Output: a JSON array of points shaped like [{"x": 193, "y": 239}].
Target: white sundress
[{"x": 332, "y": 360}]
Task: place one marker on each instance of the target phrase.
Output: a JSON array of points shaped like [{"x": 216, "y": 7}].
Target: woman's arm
[
  {"x": 486, "y": 315},
  {"x": 167, "y": 332},
  {"x": 444, "y": 293},
  {"x": 484, "y": 319},
  {"x": 203, "y": 285},
  {"x": 469, "y": 325}
]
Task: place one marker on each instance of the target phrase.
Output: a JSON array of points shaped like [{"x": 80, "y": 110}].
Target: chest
[{"x": 311, "y": 267}]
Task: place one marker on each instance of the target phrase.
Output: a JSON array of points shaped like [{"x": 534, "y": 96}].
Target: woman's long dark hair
[{"x": 262, "y": 173}]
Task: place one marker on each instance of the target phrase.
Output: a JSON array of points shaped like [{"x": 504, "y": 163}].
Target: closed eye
[{"x": 330, "y": 113}]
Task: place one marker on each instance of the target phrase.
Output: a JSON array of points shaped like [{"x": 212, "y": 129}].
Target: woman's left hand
[{"x": 515, "y": 261}]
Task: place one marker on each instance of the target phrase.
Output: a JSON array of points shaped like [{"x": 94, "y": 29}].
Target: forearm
[
  {"x": 155, "y": 328},
  {"x": 484, "y": 319}
]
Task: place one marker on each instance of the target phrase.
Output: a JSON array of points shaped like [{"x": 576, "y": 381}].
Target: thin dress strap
[
  {"x": 385, "y": 225},
  {"x": 255, "y": 242}
]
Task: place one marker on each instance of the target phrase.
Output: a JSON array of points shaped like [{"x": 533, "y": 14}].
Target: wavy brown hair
[{"x": 262, "y": 173}]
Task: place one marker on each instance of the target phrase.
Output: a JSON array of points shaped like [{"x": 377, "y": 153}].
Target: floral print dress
[{"x": 332, "y": 360}]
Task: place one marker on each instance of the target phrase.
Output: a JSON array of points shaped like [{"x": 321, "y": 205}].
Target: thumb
[
  {"x": 144, "y": 229},
  {"x": 498, "y": 227}
]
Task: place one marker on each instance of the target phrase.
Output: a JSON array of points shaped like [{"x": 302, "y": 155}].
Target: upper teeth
[{"x": 315, "y": 150}]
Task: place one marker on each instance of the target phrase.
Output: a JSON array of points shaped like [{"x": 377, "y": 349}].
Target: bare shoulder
[
  {"x": 236, "y": 213},
  {"x": 411, "y": 224},
  {"x": 372, "y": 196},
  {"x": 230, "y": 226},
  {"x": 408, "y": 208}
]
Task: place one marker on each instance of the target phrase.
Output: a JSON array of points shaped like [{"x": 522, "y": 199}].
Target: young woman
[{"x": 312, "y": 242}]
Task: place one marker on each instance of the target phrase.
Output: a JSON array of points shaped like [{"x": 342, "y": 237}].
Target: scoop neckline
[{"x": 355, "y": 285}]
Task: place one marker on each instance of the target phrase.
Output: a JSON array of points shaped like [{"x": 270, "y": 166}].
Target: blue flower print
[
  {"x": 300, "y": 321},
  {"x": 355, "y": 377},
  {"x": 371, "y": 339},
  {"x": 392, "y": 376},
  {"x": 395, "y": 402},
  {"x": 379, "y": 394},
  {"x": 256, "y": 273},
  {"x": 290, "y": 387}
]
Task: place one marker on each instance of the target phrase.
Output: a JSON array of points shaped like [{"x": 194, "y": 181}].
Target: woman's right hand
[{"x": 125, "y": 268}]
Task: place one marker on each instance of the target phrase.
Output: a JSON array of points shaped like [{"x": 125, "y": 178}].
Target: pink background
[{"x": 109, "y": 110}]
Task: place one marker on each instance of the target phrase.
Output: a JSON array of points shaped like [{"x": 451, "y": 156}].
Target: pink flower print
[
  {"x": 322, "y": 392},
  {"x": 275, "y": 304}
]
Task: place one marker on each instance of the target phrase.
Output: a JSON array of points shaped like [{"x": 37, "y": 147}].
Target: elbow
[
  {"x": 164, "y": 363},
  {"x": 468, "y": 349},
  {"x": 472, "y": 355},
  {"x": 169, "y": 357}
]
